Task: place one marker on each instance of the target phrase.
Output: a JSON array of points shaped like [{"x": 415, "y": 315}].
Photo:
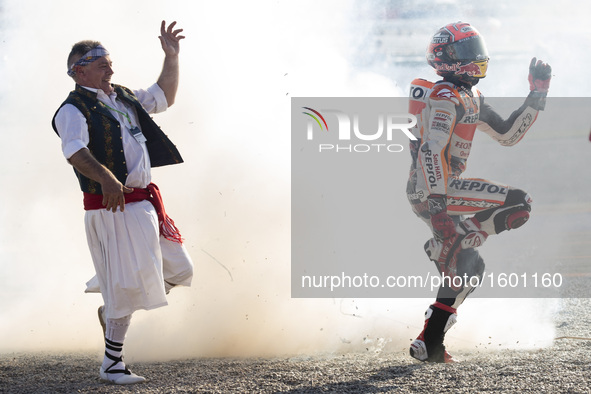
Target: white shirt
[{"x": 73, "y": 130}]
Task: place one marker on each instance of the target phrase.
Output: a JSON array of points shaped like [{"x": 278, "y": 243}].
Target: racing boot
[{"x": 429, "y": 344}]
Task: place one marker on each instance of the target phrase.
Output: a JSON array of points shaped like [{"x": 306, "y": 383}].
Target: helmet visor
[{"x": 468, "y": 49}]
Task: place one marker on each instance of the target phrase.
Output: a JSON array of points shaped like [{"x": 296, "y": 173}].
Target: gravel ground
[{"x": 564, "y": 367}]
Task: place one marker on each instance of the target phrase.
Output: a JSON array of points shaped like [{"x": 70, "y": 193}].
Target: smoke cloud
[{"x": 240, "y": 64}]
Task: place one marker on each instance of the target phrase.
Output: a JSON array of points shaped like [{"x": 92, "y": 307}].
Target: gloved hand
[
  {"x": 442, "y": 224},
  {"x": 539, "y": 77}
]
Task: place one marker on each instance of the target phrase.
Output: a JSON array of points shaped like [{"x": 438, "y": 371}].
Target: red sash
[{"x": 167, "y": 228}]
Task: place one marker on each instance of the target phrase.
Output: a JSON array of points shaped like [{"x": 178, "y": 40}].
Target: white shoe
[
  {"x": 121, "y": 377},
  {"x": 418, "y": 350}
]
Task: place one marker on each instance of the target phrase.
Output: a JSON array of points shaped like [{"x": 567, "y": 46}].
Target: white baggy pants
[{"x": 132, "y": 260}]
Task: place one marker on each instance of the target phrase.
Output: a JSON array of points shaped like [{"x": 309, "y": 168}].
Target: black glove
[{"x": 539, "y": 77}]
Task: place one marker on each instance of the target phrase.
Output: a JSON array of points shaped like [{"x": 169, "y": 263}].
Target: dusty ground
[
  {"x": 565, "y": 367},
  {"x": 562, "y": 369}
]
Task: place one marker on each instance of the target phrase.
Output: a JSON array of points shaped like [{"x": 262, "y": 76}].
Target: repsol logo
[
  {"x": 432, "y": 167},
  {"x": 470, "y": 119},
  {"x": 477, "y": 186}
]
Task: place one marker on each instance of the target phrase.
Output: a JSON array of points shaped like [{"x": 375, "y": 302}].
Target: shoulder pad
[
  {"x": 445, "y": 91},
  {"x": 422, "y": 82},
  {"x": 420, "y": 90}
]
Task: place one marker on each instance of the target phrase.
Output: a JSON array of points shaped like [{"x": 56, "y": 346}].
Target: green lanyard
[{"x": 122, "y": 113}]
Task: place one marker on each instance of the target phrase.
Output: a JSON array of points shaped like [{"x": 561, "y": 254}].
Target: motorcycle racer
[{"x": 448, "y": 114}]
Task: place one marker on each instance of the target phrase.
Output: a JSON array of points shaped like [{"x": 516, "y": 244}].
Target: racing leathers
[
  {"x": 448, "y": 114},
  {"x": 447, "y": 118}
]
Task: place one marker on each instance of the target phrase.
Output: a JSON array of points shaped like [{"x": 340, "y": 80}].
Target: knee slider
[
  {"x": 515, "y": 211},
  {"x": 516, "y": 219}
]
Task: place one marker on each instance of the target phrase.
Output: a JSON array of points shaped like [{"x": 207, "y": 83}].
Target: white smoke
[{"x": 240, "y": 64}]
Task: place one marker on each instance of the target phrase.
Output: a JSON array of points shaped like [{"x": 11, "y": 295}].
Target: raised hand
[
  {"x": 539, "y": 77},
  {"x": 170, "y": 38}
]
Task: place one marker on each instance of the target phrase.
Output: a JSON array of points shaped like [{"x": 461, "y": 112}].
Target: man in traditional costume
[{"x": 112, "y": 142}]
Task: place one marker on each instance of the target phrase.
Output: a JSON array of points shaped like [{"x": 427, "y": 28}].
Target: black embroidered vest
[{"x": 105, "y": 142}]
